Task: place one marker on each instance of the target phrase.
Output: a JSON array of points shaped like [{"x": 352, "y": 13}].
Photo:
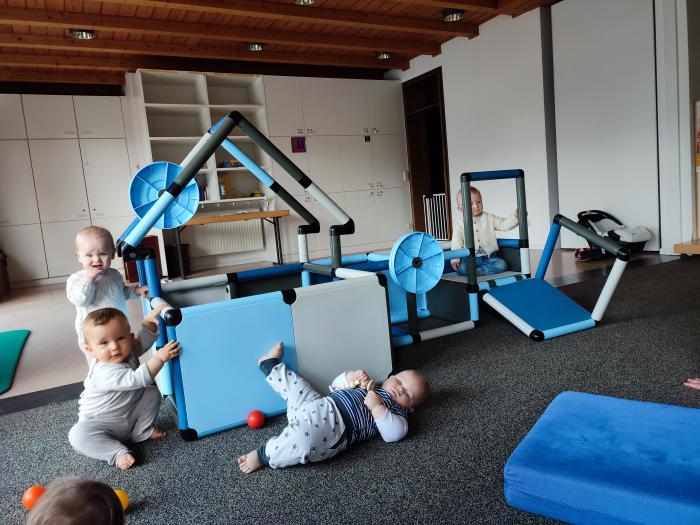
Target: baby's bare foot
[
  {"x": 250, "y": 462},
  {"x": 157, "y": 433},
  {"x": 125, "y": 461},
  {"x": 275, "y": 353}
]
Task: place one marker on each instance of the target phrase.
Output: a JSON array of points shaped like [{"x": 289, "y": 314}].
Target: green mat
[{"x": 11, "y": 344}]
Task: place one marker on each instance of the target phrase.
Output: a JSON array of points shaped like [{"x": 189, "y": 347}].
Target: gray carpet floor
[{"x": 489, "y": 387}]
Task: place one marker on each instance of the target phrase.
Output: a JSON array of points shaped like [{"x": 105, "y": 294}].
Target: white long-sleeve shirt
[
  {"x": 108, "y": 290},
  {"x": 111, "y": 389},
  {"x": 485, "y": 226}
]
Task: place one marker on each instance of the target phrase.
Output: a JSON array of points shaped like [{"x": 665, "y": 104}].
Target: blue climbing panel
[{"x": 541, "y": 305}]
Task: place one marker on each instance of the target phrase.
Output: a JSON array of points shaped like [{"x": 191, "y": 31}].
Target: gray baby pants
[
  {"x": 102, "y": 438},
  {"x": 315, "y": 430}
]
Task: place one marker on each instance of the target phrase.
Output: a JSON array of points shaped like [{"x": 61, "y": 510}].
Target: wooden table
[{"x": 272, "y": 217}]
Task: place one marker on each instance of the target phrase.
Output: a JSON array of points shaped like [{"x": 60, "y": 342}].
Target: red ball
[
  {"x": 256, "y": 419},
  {"x": 32, "y": 495}
]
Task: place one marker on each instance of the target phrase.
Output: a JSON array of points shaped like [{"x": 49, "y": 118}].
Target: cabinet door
[
  {"x": 106, "y": 167},
  {"x": 392, "y": 219},
  {"x": 385, "y": 104},
  {"x": 17, "y": 198},
  {"x": 99, "y": 117},
  {"x": 59, "y": 243},
  {"x": 356, "y": 163},
  {"x": 49, "y": 116},
  {"x": 24, "y": 247},
  {"x": 361, "y": 207},
  {"x": 12, "y": 118},
  {"x": 325, "y": 170},
  {"x": 284, "y": 144},
  {"x": 283, "y": 106},
  {"x": 388, "y": 160},
  {"x": 319, "y": 106},
  {"x": 58, "y": 174},
  {"x": 288, "y": 230},
  {"x": 351, "y": 104},
  {"x": 116, "y": 227}
]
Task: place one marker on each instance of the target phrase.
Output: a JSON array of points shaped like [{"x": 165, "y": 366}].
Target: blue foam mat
[{"x": 600, "y": 460}]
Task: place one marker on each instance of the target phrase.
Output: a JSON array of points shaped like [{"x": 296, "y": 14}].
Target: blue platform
[
  {"x": 543, "y": 307},
  {"x": 600, "y": 460}
]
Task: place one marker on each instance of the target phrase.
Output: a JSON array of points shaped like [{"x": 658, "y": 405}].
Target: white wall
[
  {"x": 604, "y": 87},
  {"x": 494, "y": 109}
]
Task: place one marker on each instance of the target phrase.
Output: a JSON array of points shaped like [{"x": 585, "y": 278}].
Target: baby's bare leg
[
  {"x": 274, "y": 353},
  {"x": 250, "y": 462}
]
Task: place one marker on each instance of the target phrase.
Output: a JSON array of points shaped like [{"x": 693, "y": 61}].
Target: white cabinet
[
  {"x": 323, "y": 153},
  {"x": 59, "y": 243},
  {"x": 369, "y": 106},
  {"x": 58, "y": 175},
  {"x": 372, "y": 161},
  {"x": 49, "y": 116},
  {"x": 12, "y": 118},
  {"x": 323, "y": 240},
  {"x": 380, "y": 216},
  {"x": 24, "y": 247},
  {"x": 99, "y": 117},
  {"x": 300, "y": 106},
  {"x": 17, "y": 198},
  {"x": 106, "y": 169}
]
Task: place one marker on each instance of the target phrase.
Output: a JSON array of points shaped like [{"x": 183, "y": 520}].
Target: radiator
[
  {"x": 435, "y": 210},
  {"x": 224, "y": 237}
]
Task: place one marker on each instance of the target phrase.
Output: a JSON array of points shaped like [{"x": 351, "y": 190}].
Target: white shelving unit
[{"x": 179, "y": 107}]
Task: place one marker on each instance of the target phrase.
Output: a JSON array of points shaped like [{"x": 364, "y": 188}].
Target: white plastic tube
[
  {"x": 348, "y": 273},
  {"x": 508, "y": 314},
  {"x": 328, "y": 203},
  {"x": 609, "y": 289}
]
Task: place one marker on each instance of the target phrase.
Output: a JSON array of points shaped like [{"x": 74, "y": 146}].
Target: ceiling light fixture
[
  {"x": 255, "y": 46},
  {"x": 383, "y": 55},
  {"x": 82, "y": 34},
  {"x": 304, "y": 2},
  {"x": 452, "y": 15}
]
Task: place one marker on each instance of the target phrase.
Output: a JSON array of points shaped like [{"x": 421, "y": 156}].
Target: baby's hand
[
  {"x": 167, "y": 352},
  {"x": 92, "y": 273},
  {"x": 372, "y": 400},
  {"x": 455, "y": 265},
  {"x": 356, "y": 378},
  {"x": 141, "y": 291},
  {"x": 150, "y": 320}
]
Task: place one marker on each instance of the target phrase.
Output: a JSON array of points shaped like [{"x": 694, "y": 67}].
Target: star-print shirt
[{"x": 359, "y": 423}]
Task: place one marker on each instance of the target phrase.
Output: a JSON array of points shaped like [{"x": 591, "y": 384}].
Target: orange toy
[{"x": 32, "y": 495}]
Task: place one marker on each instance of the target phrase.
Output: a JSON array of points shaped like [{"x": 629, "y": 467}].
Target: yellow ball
[{"x": 123, "y": 498}]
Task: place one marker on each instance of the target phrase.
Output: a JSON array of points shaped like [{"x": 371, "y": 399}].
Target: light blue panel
[
  {"x": 539, "y": 304},
  {"x": 221, "y": 343}
]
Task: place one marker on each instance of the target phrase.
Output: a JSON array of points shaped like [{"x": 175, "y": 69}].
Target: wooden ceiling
[{"x": 328, "y": 37}]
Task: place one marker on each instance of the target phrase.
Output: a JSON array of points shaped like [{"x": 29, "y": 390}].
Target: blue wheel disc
[
  {"x": 147, "y": 185},
  {"x": 416, "y": 262}
]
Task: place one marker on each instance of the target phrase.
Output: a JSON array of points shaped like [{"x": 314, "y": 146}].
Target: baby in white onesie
[
  {"x": 97, "y": 285},
  {"x": 120, "y": 402}
]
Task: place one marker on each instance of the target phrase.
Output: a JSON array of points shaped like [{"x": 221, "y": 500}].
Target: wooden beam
[
  {"x": 313, "y": 15},
  {"x": 75, "y": 62},
  {"x": 64, "y": 77},
  {"x": 482, "y": 6},
  {"x": 123, "y": 24},
  {"x": 178, "y": 50}
]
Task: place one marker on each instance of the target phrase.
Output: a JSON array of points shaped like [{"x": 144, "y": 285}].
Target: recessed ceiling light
[
  {"x": 383, "y": 55},
  {"x": 452, "y": 15},
  {"x": 82, "y": 34},
  {"x": 304, "y": 2},
  {"x": 255, "y": 46}
]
